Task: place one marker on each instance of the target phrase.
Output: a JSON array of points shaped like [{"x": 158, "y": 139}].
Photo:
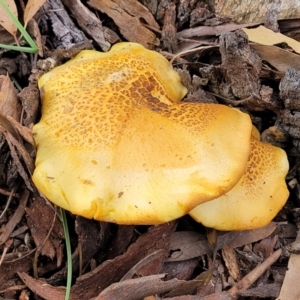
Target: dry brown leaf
[
  {"x": 6, "y": 125},
  {"x": 23, "y": 131},
  {"x": 138, "y": 288},
  {"x": 9, "y": 104},
  {"x": 186, "y": 245},
  {"x": 31, "y": 9},
  {"x": 242, "y": 238},
  {"x": 5, "y": 19},
  {"x": 290, "y": 288},
  {"x": 15, "y": 219},
  {"x": 231, "y": 262},
  {"x": 183, "y": 270},
  {"x": 16, "y": 148},
  {"x": 277, "y": 57},
  {"x": 46, "y": 291},
  {"x": 190, "y": 286},
  {"x": 265, "y": 36},
  {"x": 33, "y": 29},
  {"x": 143, "y": 262},
  {"x": 210, "y": 30},
  {"x": 50, "y": 244}
]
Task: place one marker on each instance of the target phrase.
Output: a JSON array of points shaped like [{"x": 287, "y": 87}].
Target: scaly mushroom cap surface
[
  {"x": 115, "y": 144},
  {"x": 257, "y": 197}
]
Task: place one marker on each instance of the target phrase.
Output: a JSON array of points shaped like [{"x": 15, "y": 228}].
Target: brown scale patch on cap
[{"x": 116, "y": 90}]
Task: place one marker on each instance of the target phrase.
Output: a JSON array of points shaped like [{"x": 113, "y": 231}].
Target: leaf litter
[{"x": 178, "y": 260}]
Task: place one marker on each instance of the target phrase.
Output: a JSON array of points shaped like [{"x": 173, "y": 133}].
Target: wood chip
[{"x": 127, "y": 16}]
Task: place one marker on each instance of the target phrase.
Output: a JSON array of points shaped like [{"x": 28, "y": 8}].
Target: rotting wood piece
[
  {"x": 89, "y": 23},
  {"x": 127, "y": 16},
  {"x": 57, "y": 21},
  {"x": 289, "y": 117},
  {"x": 239, "y": 64}
]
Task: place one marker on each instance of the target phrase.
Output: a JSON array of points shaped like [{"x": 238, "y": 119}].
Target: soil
[{"x": 181, "y": 259}]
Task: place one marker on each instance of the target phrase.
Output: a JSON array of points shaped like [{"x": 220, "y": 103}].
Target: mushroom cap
[
  {"x": 115, "y": 144},
  {"x": 257, "y": 197}
]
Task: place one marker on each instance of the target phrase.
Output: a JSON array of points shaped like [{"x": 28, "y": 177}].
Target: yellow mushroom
[
  {"x": 115, "y": 143},
  {"x": 257, "y": 197}
]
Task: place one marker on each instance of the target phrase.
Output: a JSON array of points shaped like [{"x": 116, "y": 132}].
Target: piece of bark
[
  {"x": 8, "y": 66},
  {"x": 215, "y": 296},
  {"x": 184, "y": 10},
  {"x": 240, "y": 65},
  {"x": 252, "y": 276},
  {"x": 237, "y": 79},
  {"x": 123, "y": 238},
  {"x": 5, "y": 37},
  {"x": 100, "y": 232},
  {"x": 199, "y": 14},
  {"x": 57, "y": 21},
  {"x": 168, "y": 34},
  {"x": 268, "y": 100},
  {"x": 127, "y": 16},
  {"x": 290, "y": 122},
  {"x": 271, "y": 290},
  {"x": 194, "y": 85},
  {"x": 151, "y": 5},
  {"x": 271, "y": 17},
  {"x": 29, "y": 97},
  {"x": 290, "y": 88},
  {"x": 289, "y": 117},
  {"x": 279, "y": 58},
  {"x": 89, "y": 23},
  {"x": 255, "y": 11},
  {"x": 89, "y": 240}
]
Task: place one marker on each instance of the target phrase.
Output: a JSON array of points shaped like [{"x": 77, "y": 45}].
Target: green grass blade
[
  {"x": 27, "y": 37},
  {"x": 18, "y": 48},
  {"x": 69, "y": 254}
]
